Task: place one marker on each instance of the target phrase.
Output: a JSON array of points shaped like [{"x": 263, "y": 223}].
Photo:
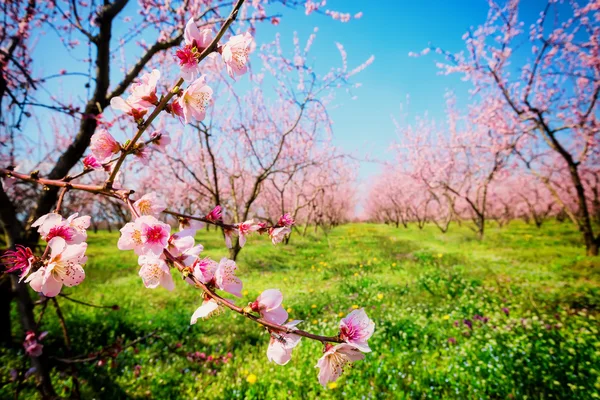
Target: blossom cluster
[
  {"x": 355, "y": 330},
  {"x": 192, "y": 102},
  {"x": 152, "y": 240},
  {"x": 32, "y": 344},
  {"x": 277, "y": 233},
  {"x": 158, "y": 249},
  {"x": 62, "y": 261}
]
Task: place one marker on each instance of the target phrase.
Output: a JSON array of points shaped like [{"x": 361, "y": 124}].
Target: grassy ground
[{"x": 539, "y": 295}]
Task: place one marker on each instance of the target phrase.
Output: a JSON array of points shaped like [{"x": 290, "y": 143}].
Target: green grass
[{"x": 418, "y": 287}]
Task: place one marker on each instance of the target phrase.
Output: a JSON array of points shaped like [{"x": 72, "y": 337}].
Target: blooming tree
[
  {"x": 546, "y": 103},
  {"x": 322, "y": 194},
  {"x": 455, "y": 164},
  {"x": 228, "y": 161},
  {"x": 141, "y": 100}
]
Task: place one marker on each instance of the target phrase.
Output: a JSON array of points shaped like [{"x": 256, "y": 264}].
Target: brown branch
[
  {"x": 143, "y": 126},
  {"x": 61, "y": 197},
  {"x": 114, "y": 307},
  {"x": 79, "y": 359},
  {"x": 97, "y": 189},
  {"x": 223, "y": 302}
]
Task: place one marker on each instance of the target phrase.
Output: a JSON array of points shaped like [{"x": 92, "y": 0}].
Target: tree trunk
[
  {"x": 14, "y": 233},
  {"x": 592, "y": 245},
  {"x": 287, "y": 238},
  {"x": 6, "y": 297},
  {"x": 234, "y": 251},
  {"x": 42, "y": 371},
  {"x": 481, "y": 228}
]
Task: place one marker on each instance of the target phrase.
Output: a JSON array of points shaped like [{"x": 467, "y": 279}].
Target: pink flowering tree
[
  {"x": 321, "y": 194},
  {"x": 522, "y": 195},
  {"x": 228, "y": 161},
  {"x": 456, "y": 163},
  {"x": 546, "y": 103},
  {"x": 182, "y": 78}
]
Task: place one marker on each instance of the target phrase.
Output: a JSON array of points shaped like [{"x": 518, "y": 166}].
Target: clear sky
[{"x": 389, "y": 30}]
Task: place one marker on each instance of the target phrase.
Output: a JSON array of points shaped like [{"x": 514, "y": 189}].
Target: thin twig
[
  {"x": 113, "y": 307},
  {"x": 175, "y": 90}
]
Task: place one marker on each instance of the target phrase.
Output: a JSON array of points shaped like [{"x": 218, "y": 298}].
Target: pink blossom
[
  {"x": 20, "y": 259},
  {"x": 90, "y": 162},
  {"x": 189, "y": 256},
  {"x": 356, "y": 329},
  {"x": 181, "y": 241},
  {"x": 278, "y": 234},
  {"x": 204, "y": 270},
  {"x": 188, "y": 62},
  {"x": 331, "y": 364},
  {"x": 196, "y": 41},
  {"x": 143, "y": 96},
  {"x": 176, "y": 108},
  {"x": 281, "y": 344},
  {"x": 72, "y": 230},
  {"x": 181, "y": 246},
  {"x": 103, "y": 145},
  {"x": 64, "y": 267},
  {"x": 225, "y": 278},
  {"x": 311, "y": 6},
  {"x": 142, "y": 154},
  {"x": 154, "y": 271},
  {"x": 194, "y": 100},
  {"x": 31, "y": 344},
  {"x": 131, "y": 238},
  {"x": 194, "y": 36},
  {"x": 235, "y": 54},
  {"x": 160, "y": 140},
  {"x": 244, "y": 229},
  {"x": 150, "y": 204},
  {"x": 286, "y": 220},
  {"x": 208, "y": 308},
  {"x": 188, "y": 223},
  {"x": 155, "y": 236},
  {"x": 143, "y": 92},
  {"x": 80, "y": 224},
  {"x": 215, "y": 214},
  {"x": 268, "y": 304},
  {"x": 229, "y": 233},
  {"x": 62, "y": 231},
  {"x": 146, "y": 236},
  {"x": 129, "y": 108}
]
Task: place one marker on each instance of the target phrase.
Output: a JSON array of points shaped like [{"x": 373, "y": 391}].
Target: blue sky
[{"x": 389, "y": 30}]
